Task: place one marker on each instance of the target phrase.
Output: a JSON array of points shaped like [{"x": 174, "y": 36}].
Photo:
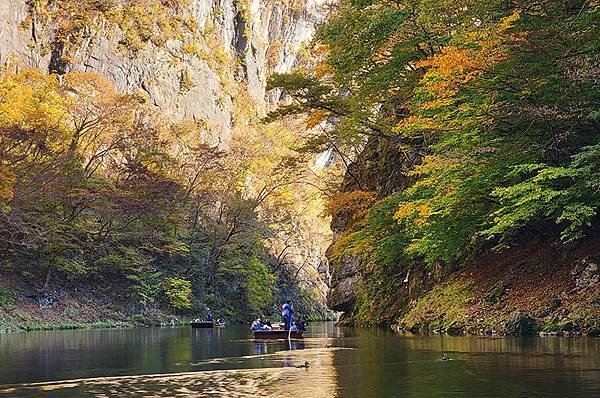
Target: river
[{"x": 344, "y": 362}]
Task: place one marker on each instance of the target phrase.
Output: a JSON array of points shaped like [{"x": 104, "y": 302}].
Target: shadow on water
[{"x": 343, "y": 362}]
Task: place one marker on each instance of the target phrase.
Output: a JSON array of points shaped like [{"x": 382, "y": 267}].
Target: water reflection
[
  {"x": 343, "y": 362},
  {"x": 482, "y": 367},
  {"x": 283, "y": 377},
  {"x": 260, "y": 348}
]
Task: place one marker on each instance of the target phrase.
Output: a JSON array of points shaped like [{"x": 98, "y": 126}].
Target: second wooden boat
[
  {"x": 277, "y": 334},
  {"x": 202, "y": 324}
]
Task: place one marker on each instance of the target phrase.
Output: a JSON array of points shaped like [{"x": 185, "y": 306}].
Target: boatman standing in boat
[
  {"x": 208, "y": 314},
  {"x": 286, "y": 314}
]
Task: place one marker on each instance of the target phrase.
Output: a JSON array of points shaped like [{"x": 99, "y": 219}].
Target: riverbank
[
  {"x": 86, "y": 306},
  {"x": 530, "y": 290},
  {"x": 70, "y": 306}
]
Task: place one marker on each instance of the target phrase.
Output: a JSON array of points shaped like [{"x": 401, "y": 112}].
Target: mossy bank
[{"x": 524, "y": 291}]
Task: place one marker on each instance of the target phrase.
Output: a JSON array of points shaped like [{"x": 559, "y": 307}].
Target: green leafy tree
[
  {"x": 489, "y": 106},
  {"x": 178, "y": 293}
]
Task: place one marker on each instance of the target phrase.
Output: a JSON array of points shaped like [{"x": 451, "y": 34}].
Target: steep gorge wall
[
  {"x": 534, "y": 286},
  {"x": 240, "y": 44},
  {"x": 379, "y": 168}
]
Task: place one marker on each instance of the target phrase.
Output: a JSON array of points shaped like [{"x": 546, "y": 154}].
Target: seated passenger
[{"x": 256, "y": 325}]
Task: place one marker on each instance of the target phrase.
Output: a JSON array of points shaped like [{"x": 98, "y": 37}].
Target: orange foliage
[
  {"x": 450, "y": 69},
  {"x": 321, "y": 49},
  {"x": 454, "y": 67},
  {"x": 323, "y": 69},
  {"x": 415, "y": 124},
  {"x": 316, "y": 117},
  {"x": 7, "y": 179},
  {"x": 354, "y": 203}
]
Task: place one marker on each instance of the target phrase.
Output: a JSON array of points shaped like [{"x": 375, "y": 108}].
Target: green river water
[{"x": 344, "y": 362}]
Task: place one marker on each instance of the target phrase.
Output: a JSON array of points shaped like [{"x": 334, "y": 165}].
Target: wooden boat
[
  {"x": 276, "y": 334},
  {"x": 202, "y": 324}
]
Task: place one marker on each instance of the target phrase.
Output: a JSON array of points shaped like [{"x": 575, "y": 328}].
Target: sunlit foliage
[
  {"x": 493, "y": 105},
  {"x": 94, "y": 186},
  {"x": 138, "y": 22}
]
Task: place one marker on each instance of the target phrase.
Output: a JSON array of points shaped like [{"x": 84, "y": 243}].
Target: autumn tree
[{"x": 491, "y": 106}]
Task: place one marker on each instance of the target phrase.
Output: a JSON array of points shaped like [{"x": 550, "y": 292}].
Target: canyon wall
[{"x": 238, "y": 45}]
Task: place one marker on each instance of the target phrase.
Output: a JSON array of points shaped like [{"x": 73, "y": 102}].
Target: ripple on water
[{"x": 319, "y": 380}]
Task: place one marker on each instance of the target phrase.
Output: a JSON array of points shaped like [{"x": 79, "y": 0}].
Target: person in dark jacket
[{"x": 286, "y": 314}]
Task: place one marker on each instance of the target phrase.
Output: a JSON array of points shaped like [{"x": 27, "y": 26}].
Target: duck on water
[{"x": 445, "y": 358}]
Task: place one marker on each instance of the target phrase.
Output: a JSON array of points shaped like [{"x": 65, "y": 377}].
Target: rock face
[
  {"x": 346, "y": 277},
  {"x": 379, "y": 168},
  {"x": 586, "y": 274},
  {"x": 257, "y": 37}
]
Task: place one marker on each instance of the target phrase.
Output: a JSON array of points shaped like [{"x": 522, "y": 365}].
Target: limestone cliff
[{"x": 237, "y": 46}]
